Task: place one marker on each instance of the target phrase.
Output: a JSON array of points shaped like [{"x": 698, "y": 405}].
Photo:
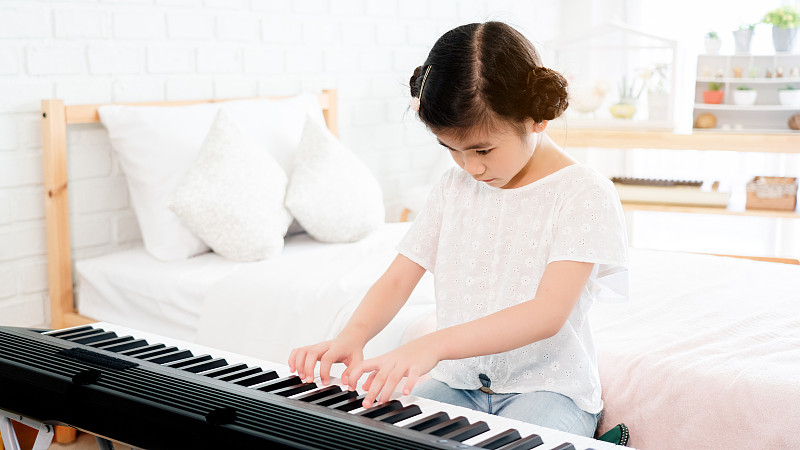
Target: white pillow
[
  {"x": 331, "y": 193},
  {"x": 157, "y": 145},
  {"x": 232, "y": 197}
]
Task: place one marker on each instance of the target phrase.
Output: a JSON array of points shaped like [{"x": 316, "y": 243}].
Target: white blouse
[{"x": 488, "y": 248}]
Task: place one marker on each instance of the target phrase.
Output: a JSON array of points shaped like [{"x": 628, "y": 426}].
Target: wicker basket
[{"x": 776, "y": 193}]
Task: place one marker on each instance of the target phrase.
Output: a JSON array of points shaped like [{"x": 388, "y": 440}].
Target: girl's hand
[
  {"x": 409, "y": 361},
  {"x": 341, "y": 349}
]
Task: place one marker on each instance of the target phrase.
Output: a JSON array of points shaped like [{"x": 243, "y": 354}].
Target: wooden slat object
[
  {"x": 55, "y": 118},
  {"x": 762, "y": 258}
]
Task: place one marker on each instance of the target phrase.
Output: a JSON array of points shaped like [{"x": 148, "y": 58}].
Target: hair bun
[
  {"x": 546, "y": 91},
  {"x": 412, "y": 83}
]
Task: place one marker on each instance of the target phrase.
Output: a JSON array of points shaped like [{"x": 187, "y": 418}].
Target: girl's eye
[{"x": 483, "y": 152}]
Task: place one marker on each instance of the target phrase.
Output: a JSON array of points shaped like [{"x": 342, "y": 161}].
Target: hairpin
[{"x": 415, "y": 101}]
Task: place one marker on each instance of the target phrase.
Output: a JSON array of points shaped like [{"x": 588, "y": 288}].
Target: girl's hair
[{"x": 483, "y": 76}]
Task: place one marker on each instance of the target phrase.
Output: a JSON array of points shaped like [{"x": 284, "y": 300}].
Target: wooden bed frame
[{"x": 55, "y": 118}]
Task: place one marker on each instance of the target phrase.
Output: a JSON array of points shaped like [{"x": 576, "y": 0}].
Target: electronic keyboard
[{"x": 151, "y": 391}]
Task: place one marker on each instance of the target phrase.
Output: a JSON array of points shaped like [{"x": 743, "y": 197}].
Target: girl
[{"x": 520, "y": 239}]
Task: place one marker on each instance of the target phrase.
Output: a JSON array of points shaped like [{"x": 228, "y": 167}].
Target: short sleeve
[
  {"x": 591, "y": 228},
  {"x": 421, "y": 243}
]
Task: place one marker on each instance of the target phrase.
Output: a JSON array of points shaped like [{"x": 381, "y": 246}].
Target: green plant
[
  {"x": 714, "y": 86},
  {"x": 628, "y": 90},
  {"x": 744, "y": 88},
  {"x": 746, "y": 26},
  {"x": 712, "y": 35},
  {"x": 783, "y": 17},
  {"x": 788, "y": 87}
]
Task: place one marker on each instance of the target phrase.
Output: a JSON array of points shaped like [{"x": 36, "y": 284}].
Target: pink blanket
[{"x": 706, "y": 355}]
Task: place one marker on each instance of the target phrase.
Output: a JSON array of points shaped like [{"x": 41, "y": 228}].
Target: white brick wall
[{"x": 148, "y": 50}]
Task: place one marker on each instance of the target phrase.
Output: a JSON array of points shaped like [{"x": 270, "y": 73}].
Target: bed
[{"x": 707, "y": 353}]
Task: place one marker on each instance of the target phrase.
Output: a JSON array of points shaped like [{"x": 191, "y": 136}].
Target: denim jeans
[{"x": 548, "y": 409}]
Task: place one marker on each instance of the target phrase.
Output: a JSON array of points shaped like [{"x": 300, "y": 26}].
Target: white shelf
[
  {"x": 725, "y": 107},
  {"x": 782, "y": 80}
]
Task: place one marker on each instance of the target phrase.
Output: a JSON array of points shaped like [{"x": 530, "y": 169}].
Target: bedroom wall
[{"x": 152, "y": 50}]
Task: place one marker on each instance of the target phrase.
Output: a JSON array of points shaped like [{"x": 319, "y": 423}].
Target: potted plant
[
  {"x": 789, "y": 96},
  {"x": 742, "y": 37},
  {"x": 714, "y": 93},
  {"x": 712, "y": 43},
  {"x": 744, "y": 95},
  {"x": 625, "y": 108},
  {"x": 784, "y": 21}
]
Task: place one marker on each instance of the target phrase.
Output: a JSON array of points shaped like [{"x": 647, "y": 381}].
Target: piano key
[
  {"x": 495, "y": 442},
  {"x": 241, "y": 373},
  {"x": 204, "y": 366},
  {"x": 401, "y": 414},
  {"x": 167, "y": 357},
  {"x": 525, "y": 443},
  {"x": 440, "y": 429},
  {"x": 470, "y": 431},
  {"x": 66, "y": 331},
  {"x": 319, "y": 393},
  {"x": 187, "y": 361},
  {"x": 156, "y": 352},
  {"x": 280, "y": 383},
  {"x": 76, "y": 333},
  {"x": 381, "y": 409},
  {"x": 140, "y": 350},
  {"x": 108, "y": 342},
  {"x": 428, "y": 421},
  {"x": 350, "y": 404},
  {"x": 256, "y": 378},
  {"x": 94, "y": 337},
  {"x": 218, "y": 372},
  {"x": 137, "y": 343},
  {"x": 294, "y": 390},
  {"x": 334, "y": 399},
  {"x": 566, "y": 446}
]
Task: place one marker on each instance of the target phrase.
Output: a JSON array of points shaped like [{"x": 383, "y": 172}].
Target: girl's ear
[{"x": 539, "y": 127}]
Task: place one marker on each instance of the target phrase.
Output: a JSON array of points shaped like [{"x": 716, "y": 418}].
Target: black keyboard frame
[{"x": 151, "y": 406}]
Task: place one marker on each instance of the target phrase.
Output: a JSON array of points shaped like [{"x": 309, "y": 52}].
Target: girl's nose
[{"x": 473, "y": 166}]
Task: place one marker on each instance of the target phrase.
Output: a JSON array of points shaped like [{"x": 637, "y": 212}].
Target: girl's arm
[
  {"x": 380, "y": 304},
  {"x": 508, "y": 329}
]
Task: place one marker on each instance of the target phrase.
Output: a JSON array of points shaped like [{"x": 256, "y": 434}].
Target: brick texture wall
[{"x": 149, "y": 50}]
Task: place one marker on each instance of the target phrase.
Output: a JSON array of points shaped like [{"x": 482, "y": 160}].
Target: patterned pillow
[
  {"x": 332, "y": 193},
  {"x": 232, "y": 196}
]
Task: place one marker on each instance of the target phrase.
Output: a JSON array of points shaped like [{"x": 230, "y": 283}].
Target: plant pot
[
  {"x": 712, "y": 46},
  {"x": 713, "y": 97},
  {"x": 742, "y": 39},
  {"x": 623, "y": 110},
  {"x": 789, "y": 97},
  {"x": 744, "y": 98},
  {"x": 783, "y": 38}
]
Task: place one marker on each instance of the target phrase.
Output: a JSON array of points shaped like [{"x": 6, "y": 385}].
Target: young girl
[{"x": 520, "y": 239}]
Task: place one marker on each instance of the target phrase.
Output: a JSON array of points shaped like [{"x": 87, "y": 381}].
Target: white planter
[
  {"x": 789, "y": 97},
  {"x": 712, "y": 46},
  {"x": 744, "y": 98}
]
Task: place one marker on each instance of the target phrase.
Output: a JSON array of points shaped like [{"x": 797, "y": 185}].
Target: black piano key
[
  {"x": 294, "y": 390},
  {"x": 566, "y": 446},
  {"x": 159, "y": 351},
  {"x": 443, "y": 428},
  {"x": 495, "y": 442},
  {"x": 203, "y": 366},
  {"x": 169, "y": 357},
  {"x": 108, "y": 342},
  {"x": 350, "y": 404},
  {"x": 256, "y": 378},
  {"x": 141, "y": 350},
  {"x": 381, "y": 409},
  {"x": 62, "y": 333},
  {"x": 428, "y": 421},
  {"x": 468, "y": 432},
  {"x": 241, "y": 373},
  {"x": 401, "y": 414},
  {"x": 187, "y": 361},
  {"x": 94, "y": 337},
  {"x": 326, "y": 391},
  {"x": 137, "y": 343},
  {"x": 525, "y": 443},
  {"x": 223, "y": 370},
  {"x": 280, "y": 383},
  {"x": 334, "y": 399}
]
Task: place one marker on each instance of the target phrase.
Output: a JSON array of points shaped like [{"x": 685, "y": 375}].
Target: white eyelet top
[{"x": 488, "y": 248}]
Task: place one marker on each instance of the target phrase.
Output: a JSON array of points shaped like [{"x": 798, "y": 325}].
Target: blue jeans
[{"x": 548, "y": 409}]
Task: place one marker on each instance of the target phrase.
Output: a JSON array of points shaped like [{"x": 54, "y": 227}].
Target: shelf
[
  {"x": 569, "y": 137},
  {"x": 726, "y": 107},
  {"x": 627, "y": 206},
  {"x": 774, "y": 80}
]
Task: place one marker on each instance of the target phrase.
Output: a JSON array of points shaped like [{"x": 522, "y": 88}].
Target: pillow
[
  {"x": 331, "y": 193},
  {"x": 232, "y": 197},
  {"x": 156, "y": 145}
]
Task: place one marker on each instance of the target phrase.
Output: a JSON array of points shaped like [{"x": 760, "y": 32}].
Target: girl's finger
[
  {"x": 391, "y": 384},
  {"x": 365, "y": 386},
  {"x": 411, "y": 381},
  {"x": 325, "y": 369},
  {"x": 375, "y": 388},
  {"x": 311, "y": 361},
  {"x": 291, "y": 359}
]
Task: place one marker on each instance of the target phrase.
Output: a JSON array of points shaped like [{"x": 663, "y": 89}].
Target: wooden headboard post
[{"x": 55, "y": 118}]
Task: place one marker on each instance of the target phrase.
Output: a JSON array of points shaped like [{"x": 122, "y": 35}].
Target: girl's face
[{"x": 500, "y": 159}]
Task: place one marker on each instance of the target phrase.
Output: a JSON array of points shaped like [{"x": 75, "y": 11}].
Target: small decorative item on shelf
[
  {"x": 784, "y": 20},
  {"x": 629, "y": 94},
  {"x": 789, "y": 96},
  {"x": 742, "y": 38},
  {"x": 776, "y": 193},
  {"x": 768, "y": 73},
  {"x": 744, "y": 96},
  {"x": 779, "y": 72},
  {"x": 705, "y": 120},
  {"x": 737, "y": 72},
  {"x": 712, "y": 43},
  {"x": 794, "y": 72},
  {"x": 714, "y": 94},
  {"x": 794, "y": 122},
  {"x": 754, "y": 71}
]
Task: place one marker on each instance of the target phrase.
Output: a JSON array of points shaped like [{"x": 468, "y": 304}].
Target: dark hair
[{"x": 486, "y": 75}]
